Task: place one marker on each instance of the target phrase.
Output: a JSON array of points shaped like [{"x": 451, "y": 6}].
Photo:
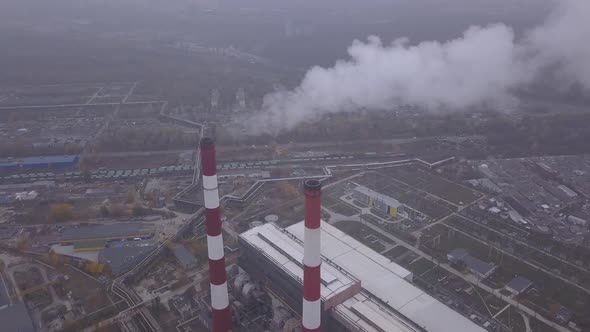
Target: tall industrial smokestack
[
  {"x": 312, "y": 257},
  {"x": 220, "y": 311}
]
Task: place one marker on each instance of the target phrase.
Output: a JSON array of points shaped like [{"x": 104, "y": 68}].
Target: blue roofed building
[
  {"x": 59, "y": 162},
  {"x": 51, "y": 162},
  {"x": 8, "y": 167}
]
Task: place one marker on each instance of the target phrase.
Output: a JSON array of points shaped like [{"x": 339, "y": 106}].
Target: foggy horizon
[{"x": 294, "y": 165}]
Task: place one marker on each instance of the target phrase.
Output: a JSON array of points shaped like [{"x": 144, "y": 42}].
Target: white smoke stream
[{"x": 482, "y": 66}]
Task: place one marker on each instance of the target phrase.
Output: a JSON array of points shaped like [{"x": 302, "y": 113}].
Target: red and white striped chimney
[
  {"x": 312, "y": 257},
  {"x": 220, "y": 312}
]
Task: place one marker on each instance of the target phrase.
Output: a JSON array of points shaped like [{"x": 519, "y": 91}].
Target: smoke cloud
[{"x": 482, "y": 66}]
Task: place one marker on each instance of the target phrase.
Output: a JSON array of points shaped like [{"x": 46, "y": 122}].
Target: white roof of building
[
  {"x": 351, "y": 254},
  {"x": 69, "y": 251},
  {"x": 369, "y": 316},
  {"x": 287, "y": 251},
  {"x": 363, "y": 311},
  {"x": 567, "y": 190},
  {"x": 385, "y": 280},
  {"x": 392, "y": 202}
]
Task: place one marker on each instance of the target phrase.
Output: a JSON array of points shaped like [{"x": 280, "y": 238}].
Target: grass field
[
  {"x": 364, "y": 234},
  {"x": 434, "y": 184},
  {"x": 345, "y": 209},
  {"x": 396, "y": 252},
  {"x": 421, "y": 267}
]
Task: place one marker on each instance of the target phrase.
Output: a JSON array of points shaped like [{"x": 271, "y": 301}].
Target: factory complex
[{"x": 361, "y": 290}]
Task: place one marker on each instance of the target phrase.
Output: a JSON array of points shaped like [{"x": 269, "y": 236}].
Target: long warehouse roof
[
  {"x": 84, "y": 232},
  {"x": 287, "y": 253},
  {"x": 380, "y": 277}
]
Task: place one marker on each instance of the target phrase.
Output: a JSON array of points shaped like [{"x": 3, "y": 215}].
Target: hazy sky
[{"x": 483, "y": 65}]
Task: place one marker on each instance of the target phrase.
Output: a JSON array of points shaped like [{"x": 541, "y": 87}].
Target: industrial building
[
  {"x": 43, "y": 162},
  {"x": 518, "y": 285},
  {"x": 379, "y": 201},
  {"x": 475, "y": 265},
  {"x": 93, "y": 233},
  {"x": 361, "y": 290},
  {"x": 76, "y": 256}
]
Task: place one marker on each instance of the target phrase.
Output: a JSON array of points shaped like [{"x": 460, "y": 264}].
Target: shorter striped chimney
[
  {"x": 220, "y": 312},
  {"x": 312, "y": 257}
]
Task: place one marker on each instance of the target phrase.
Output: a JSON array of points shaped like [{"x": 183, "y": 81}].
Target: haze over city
[{"x": 290, "y": 165}]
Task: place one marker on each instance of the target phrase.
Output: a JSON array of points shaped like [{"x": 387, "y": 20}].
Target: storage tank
[
  {"x": 240, "y": 281},
  {"x": 256, "y": 224},
  {"x": 247, "y": 290}
]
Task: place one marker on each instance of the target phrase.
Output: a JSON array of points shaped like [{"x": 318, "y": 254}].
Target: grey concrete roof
[
  {"x": 519, "y": 284},
  {"x": 473, "y": 263}
]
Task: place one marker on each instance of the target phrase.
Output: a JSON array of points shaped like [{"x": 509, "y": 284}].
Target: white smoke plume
[{"x": 482, "y": 66}]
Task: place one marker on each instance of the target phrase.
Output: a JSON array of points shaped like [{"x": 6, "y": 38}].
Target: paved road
[
  {"x": 129, "y": 93},
  {"x": 527, "y": 321},
  {"x": 94, "y": 95}
]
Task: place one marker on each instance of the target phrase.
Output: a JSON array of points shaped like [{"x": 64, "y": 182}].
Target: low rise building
[
  {"x": 102, "y": 232},
  {"x": 379, "y": 201},
  {"x": 475, "y": 265},
  {"x": 518, "y": 285}
]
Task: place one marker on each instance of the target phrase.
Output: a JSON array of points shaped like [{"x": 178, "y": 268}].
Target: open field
[
  {"x": 364, "y": 234},
  {"x": 434, "y": 184}
]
